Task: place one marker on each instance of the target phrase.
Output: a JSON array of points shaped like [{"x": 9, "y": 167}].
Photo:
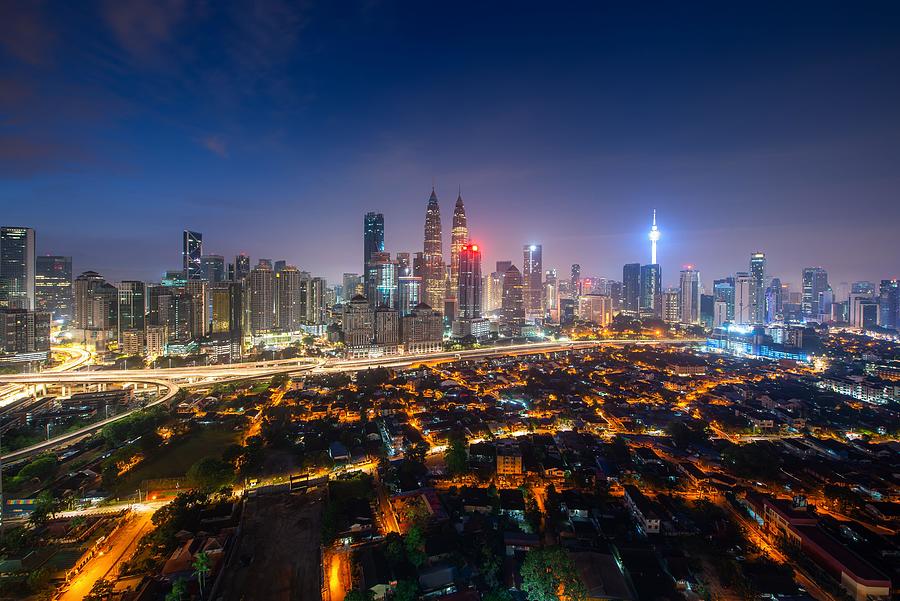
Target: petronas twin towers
[{"x": 438, "y": 286}]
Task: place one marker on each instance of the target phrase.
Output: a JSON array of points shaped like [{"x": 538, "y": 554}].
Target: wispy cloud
[
  {"x": 24, "y": 33},
  {"x": 142, "y": 27},
  {"x": 216, "y": 145}
]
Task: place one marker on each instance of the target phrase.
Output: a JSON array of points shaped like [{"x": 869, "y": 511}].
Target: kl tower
[{"x": 654, "y": 236}]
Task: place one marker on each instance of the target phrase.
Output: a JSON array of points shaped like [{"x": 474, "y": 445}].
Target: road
[
  {"x": 183, "y": 377},
  {"x": 118, "y": 548}
]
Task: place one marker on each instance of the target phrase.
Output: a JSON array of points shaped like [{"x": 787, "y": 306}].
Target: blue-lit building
[{"x": 794, "y": 343}]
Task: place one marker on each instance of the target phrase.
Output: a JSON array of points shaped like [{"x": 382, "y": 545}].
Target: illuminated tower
[
  {"x": 654, "y": 236},
  {"x": 469, "y": 292},
  {"x": 434, "y": 255},
  {"x": 458, "y": 237}
]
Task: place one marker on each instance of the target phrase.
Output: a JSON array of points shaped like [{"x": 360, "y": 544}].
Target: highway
[{"x": 174, "y": 379}]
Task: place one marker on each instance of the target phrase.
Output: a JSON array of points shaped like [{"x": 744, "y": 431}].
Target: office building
[
  {"x": 387, "y": 329},
  {"x": 513, "y": 305},
  {"x": 24, "y": 336},
  {"x": 409, "y": 292},
  {"x": 595, "y": 308},
  {"x": 469, "y": 281},
  {"x": 689, "y": 295},
  {"x": 358, "y": 325},
  {"x": 403, "y": 260},
  {"x": 532, "y": 274},
  {"x": 720, "y": 313},
  {"x": 191, "y": 253},
  {"x": 889, "y": 304},
  {"x": 261, "y": 304},
  {"x": 212, "y": 268},
  {"x": 723, "y": 291},
  {"x": 316, "y": 304},
  {"x": 373, "y": 237},
  {"x": 671, "y": 312},
  {"x": 433, "y": 256},
  {"x": 551, "y": 295},
  {"x": 575, "y": 279},
  {"x": 422, "y": 330},
  {"x": 758, "y": 288},
  {"x": 132, "y": 307},
  {"x": 17, "y": 268},
  {"x": 631, "y": 288},
  {"x": 743, "y": 307},
  {"x": 650, "y": 291},
  {"x": 227, "y": 308},
  {"x": 53, "y": 287},
  {"x": 241, "y": 267},
  {"x": 492, "y": 299},
  {"x": 458, "y": 237},
  {"x": 774, "y": 300},
  {"x": 289, "y": 307},
  {"x": 199, "y": 292},
  {"x": 381, "y": 280},
  {"x": 814, "y": 283}
]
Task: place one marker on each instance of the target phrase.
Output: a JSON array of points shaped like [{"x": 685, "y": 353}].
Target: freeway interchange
[{"x": 169, "y": 381}]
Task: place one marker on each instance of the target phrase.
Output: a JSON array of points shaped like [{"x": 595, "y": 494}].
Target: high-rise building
[
  {"x": 595, "y": 308},
  {"x": 671, "y": 312},
  {"x": 96, "y": 303},
  {"x": 352, "y": 287},
  {"x": 651, "y": 291},
  {"x": 387, "y": 327},
  {"x": 316, "y": 306},
  {"x": 889, "y": 304},
  {"x": 373, "y": 237},
  {"x": 513, "y": 309},
  {"x": 654, "y": 238},
  {"x": 381, "y": 281},
  {"x": 358, "y": 323},
  {"x": 227, "y": 309},
  {"x": 814, "y": 282},
  {"x": 241, "y": 267},
  {"x": 212, "y": 268},
  {"x": 132, "y": 307},
  {"x": 404, "y": 264},
  {"x": 743, "y": 307},
  {"x": 576, "y": 279},
  {"x": 433, "y": 256},
  {"x": 492, "y": 299},
  {"x": 24, "y": 335},
  {"x": 532, "y": 274},
  {"x": 422, "y": 330},
  {"x": 631, "y": 288},
  {"x": 723, "y": 291},
  {"x": 17, "y": 268},
  {"x": 409, "y": 292},
  {"x": 689, "y": 295},
  {"x": 551, "y": 295},
  {"x": 469, "y": 281},
  {"x": 458, "y": 237},
  {"x": 288, "y": 304},
  {"x": 53, "y": 287},
  {"x": 758, "y": 288},
  {"x": 192, "y": 251},
  {"x": 199, "y": 293},
  {"x": 774, "y": 300},
  {"x": 261, "y": 305}
]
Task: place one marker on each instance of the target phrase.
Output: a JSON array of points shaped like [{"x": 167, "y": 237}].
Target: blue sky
[{"x": 272, "y": 127}]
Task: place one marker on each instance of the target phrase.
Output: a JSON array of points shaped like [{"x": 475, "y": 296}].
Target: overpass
[{"x": 175, "y": 379}]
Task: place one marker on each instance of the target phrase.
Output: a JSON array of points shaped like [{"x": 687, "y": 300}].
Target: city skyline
[{"x": 681, "y": 111}]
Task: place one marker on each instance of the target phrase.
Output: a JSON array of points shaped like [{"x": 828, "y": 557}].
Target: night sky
[{"x": 273, "y": 127}]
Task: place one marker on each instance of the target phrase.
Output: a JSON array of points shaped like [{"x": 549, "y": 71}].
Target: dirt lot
[{"x": 278, "y": 555}]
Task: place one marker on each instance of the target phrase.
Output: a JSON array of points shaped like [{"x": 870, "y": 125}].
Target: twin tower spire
[{"x": 436, "y": 284}]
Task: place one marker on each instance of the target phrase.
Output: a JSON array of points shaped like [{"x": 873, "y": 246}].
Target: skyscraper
[
  {"x": 261, "y": 291},
  {"x": 53, "y": 287},
  {"x": 191, "y": 252},
  {"x": 654, "y": 237},
  {"x": 289, "y": 306},
  {"x": 631, "y": 288},
  {"x": 212, "y": 268},
  {"x": 458, "y": 237},
  {"x": 373, "y": 237},
  {"x": 532, "y": 275},
  {"x": 241, "y": 267},
  {"x": 513, "y": 309},
  {"x": 743, "y": 307},
  {"x": 132, "y": 306},
  {"x": 723, "y": 291},
  {"x": 576, "y": 279},
  {"x": 758, "y": 288},
  {"x": 774, "y": 300},
  {"x": 409, "y": 292},
  {"x": 689, "y": 295},
  {"x": 381, "y": 281},
  {"x": 17, "y": 267},
  {"x": 651, "y": 291},
  {"x": 433, "y": 255},
  {"x": 889, "y": 304},
  {"x": 469, "y": 284},
  {"x": 815, "y": 283},
  {"x": 83, "y": 287}
]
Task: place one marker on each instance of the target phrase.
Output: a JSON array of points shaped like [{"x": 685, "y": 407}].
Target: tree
[
  {"x": 179, "y": 588},
  {"x": 417, "y": 452},
  {"x": 549, "y": 575},
  {"x": 358, "y": 595},
  {"x": 45, "y": 508},
  {"x": 101, "y": 591},
  {"x": 406, "y": 590},
  {"x": 210, "y": 473},
  {"x": 415, "y": 545},
  {"x": 456, "y": 456},
  {"x": 201, "y": 569}
]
